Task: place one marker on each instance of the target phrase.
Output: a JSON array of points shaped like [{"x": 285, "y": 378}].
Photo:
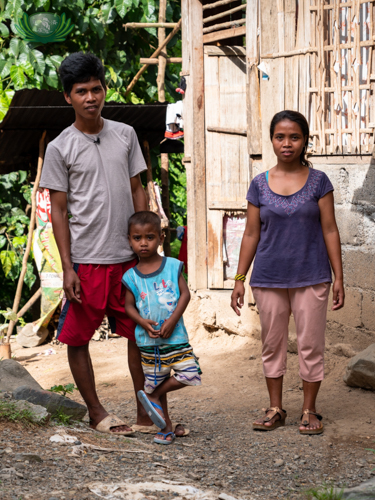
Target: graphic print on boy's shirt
[
  {"x": 156, "y": 296},
  {"x": 166, "y": 297}
]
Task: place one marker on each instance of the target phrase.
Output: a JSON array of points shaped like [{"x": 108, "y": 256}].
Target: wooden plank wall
[
  {"x": 195, "y": 161},
  {"x": 289, "y": 74},
  {"x": 227, "y": 159}
]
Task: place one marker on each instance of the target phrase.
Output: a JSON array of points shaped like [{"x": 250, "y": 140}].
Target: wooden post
[
  {"x": 194, "y": 118},
  {"x": 17, "y": 297},
  {"x": 162, "y": 60},
  {"x": 165, "y": 200},
  {"x": 254, "y": 136},
  {"x": 150, "y": 182}
]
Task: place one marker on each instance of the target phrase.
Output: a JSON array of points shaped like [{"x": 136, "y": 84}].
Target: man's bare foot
[
  {"x": 179, "y": 430},
  {"x": 99, "y": 415}
]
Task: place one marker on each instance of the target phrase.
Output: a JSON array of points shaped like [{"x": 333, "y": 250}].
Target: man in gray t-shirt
[{"x": 92, "y": 170}]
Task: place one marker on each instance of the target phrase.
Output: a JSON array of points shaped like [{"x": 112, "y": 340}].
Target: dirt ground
[{"x": 222, "y": 454}]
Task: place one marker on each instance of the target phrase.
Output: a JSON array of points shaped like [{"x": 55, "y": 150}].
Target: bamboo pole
[
  {"x": 162, "y": 60},
  {"x": 17, "y": 297},
  {"x": 216, "y": 4},
  {"x": 155, "y": 54},
  {"x": 149, "y": 25},
  {"x": 224, "y": 14},
  {"x": 154, "y": 60},
  {"x": 229, "y": 24},
  {"x": 29, "y": 303}
]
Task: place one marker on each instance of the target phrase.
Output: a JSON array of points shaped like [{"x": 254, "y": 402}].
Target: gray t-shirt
[{"x": 96, "y": 178}]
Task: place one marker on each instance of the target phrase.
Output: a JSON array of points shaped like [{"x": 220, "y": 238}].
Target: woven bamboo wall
[{"x": 341, "y": 62}]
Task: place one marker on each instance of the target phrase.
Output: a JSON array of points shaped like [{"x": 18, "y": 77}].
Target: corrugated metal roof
[{"x": 33, "y": 111}]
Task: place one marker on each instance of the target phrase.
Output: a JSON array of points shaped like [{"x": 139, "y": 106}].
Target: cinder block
[
  {"x": 368, "y": 310},
  {"x": 359, "y": 268},
  {"x": 350, "y": 225},
  {"x": 350, "y": 314}
]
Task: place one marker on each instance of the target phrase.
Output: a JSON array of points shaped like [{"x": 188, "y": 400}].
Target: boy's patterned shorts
[{"x": 157, "y": 362}]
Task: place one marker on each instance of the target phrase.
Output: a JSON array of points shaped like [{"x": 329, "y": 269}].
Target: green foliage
[
  {"x": 14, "y": 224},
  {"x": 324, "y": 493},
  {"x": 98, "y": 27},
  {"x": 63, "y": 389},
  {"x": 61, "y": 418}
]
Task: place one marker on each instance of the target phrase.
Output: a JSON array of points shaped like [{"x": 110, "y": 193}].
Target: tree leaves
[
  {"x": 17, "y": 76},
  {"x": 8, "y": 260},
  {"x": 122, "y": 6}
]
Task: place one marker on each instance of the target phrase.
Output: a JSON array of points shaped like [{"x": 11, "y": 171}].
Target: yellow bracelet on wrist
[{"x": 240, "y": 277}]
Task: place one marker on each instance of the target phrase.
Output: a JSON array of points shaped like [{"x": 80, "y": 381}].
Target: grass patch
[
  {"x": 61, "y": 418},
  {"x": 10, "y": 413},
  {"x": 324, "y": 493}
]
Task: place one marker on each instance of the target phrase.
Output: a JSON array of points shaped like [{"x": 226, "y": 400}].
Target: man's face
[{"x": 87, "y": 98}]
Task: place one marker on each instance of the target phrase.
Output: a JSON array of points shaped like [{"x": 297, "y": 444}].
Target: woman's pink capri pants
[{"x": 309, "y": 308}]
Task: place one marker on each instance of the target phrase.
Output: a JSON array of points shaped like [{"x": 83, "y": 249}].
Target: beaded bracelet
[{"x": 240, "y": 277}]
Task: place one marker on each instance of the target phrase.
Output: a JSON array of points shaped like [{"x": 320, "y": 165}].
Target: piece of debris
[
  {"x": 360, "y": 371},
  {"x": 137, "y": 491},
  {"x": 51, "y": 401},
  {"x": 47, "y": 352},
  {"x": 63, "y": 438},
  {"x": 14, "y": 375}
]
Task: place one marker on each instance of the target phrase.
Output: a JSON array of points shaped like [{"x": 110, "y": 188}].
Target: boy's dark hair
[
  {"x": 80, "y": 68},
  {"x": 294, "y": 116},
  {"x": 143, "y": 218}
]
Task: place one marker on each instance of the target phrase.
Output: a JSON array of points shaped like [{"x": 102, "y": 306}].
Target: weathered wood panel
[
  {"x": 227, "y": 159},
  {"x": 192, "y": 68},
  {"x": 254, "y": 137}
]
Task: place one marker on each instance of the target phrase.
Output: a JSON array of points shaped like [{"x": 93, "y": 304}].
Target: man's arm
[
  {"x": 138, "y": 193},
  {"x": 60, "y": 224}
]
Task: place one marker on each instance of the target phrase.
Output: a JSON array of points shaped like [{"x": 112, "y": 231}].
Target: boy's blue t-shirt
[{"x": 156, "y": 296}]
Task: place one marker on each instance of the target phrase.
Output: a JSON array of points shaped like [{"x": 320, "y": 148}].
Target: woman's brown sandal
[
  {"x": 306, "y": 421},
  {"x": 270, "y": 413}
]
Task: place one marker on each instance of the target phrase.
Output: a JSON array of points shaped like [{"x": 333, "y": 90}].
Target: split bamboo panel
[{"x": 340, "y": 89}]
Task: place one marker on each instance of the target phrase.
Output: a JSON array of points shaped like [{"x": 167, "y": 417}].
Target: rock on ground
[
  {"x": 365, "y": 491},
  {"x": 38, "y": 414},
  {"x": 28, "y": 338},
  {"x": 361, "y": 369},
  {"x": 13, "y": 375},
  {"x": 51, "y": 401}
]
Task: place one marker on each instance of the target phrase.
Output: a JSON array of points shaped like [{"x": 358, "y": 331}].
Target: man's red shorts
[{"x": 101, "y": 293}]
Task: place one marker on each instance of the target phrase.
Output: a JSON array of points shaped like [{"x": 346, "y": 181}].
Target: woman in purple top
[{"x": 291, "y": 228}]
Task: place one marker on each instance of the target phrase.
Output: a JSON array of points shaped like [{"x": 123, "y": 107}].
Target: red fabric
[
  {"x": 182, "y": 256},
  {"x": 101, "y": 293}
]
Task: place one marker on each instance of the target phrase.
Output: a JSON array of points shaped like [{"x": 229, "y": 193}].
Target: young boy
[{"x": 156, "y": 297}]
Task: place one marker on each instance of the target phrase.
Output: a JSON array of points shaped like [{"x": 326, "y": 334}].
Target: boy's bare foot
[{"x": 167, "y": 429}]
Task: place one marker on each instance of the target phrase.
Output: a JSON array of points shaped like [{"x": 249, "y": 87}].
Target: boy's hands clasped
[{"x": 164, "y": 332}]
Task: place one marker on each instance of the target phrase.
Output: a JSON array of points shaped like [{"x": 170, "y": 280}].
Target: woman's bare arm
[
  {"x": 332, "y": 240},
  {"x": 249, "y": 245}
]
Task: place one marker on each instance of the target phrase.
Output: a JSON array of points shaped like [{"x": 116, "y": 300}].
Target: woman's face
[{"x": 288, "y": 141}]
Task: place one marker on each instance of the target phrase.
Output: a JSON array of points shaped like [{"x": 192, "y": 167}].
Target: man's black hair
[
  {"x": 143, "y": 218},
  {"x": 80, "y": 68}
]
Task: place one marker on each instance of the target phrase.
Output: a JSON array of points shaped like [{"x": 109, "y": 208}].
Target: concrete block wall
[
  {"x": 353, "y": 178},
  {"x": 351, "y": 329}
]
